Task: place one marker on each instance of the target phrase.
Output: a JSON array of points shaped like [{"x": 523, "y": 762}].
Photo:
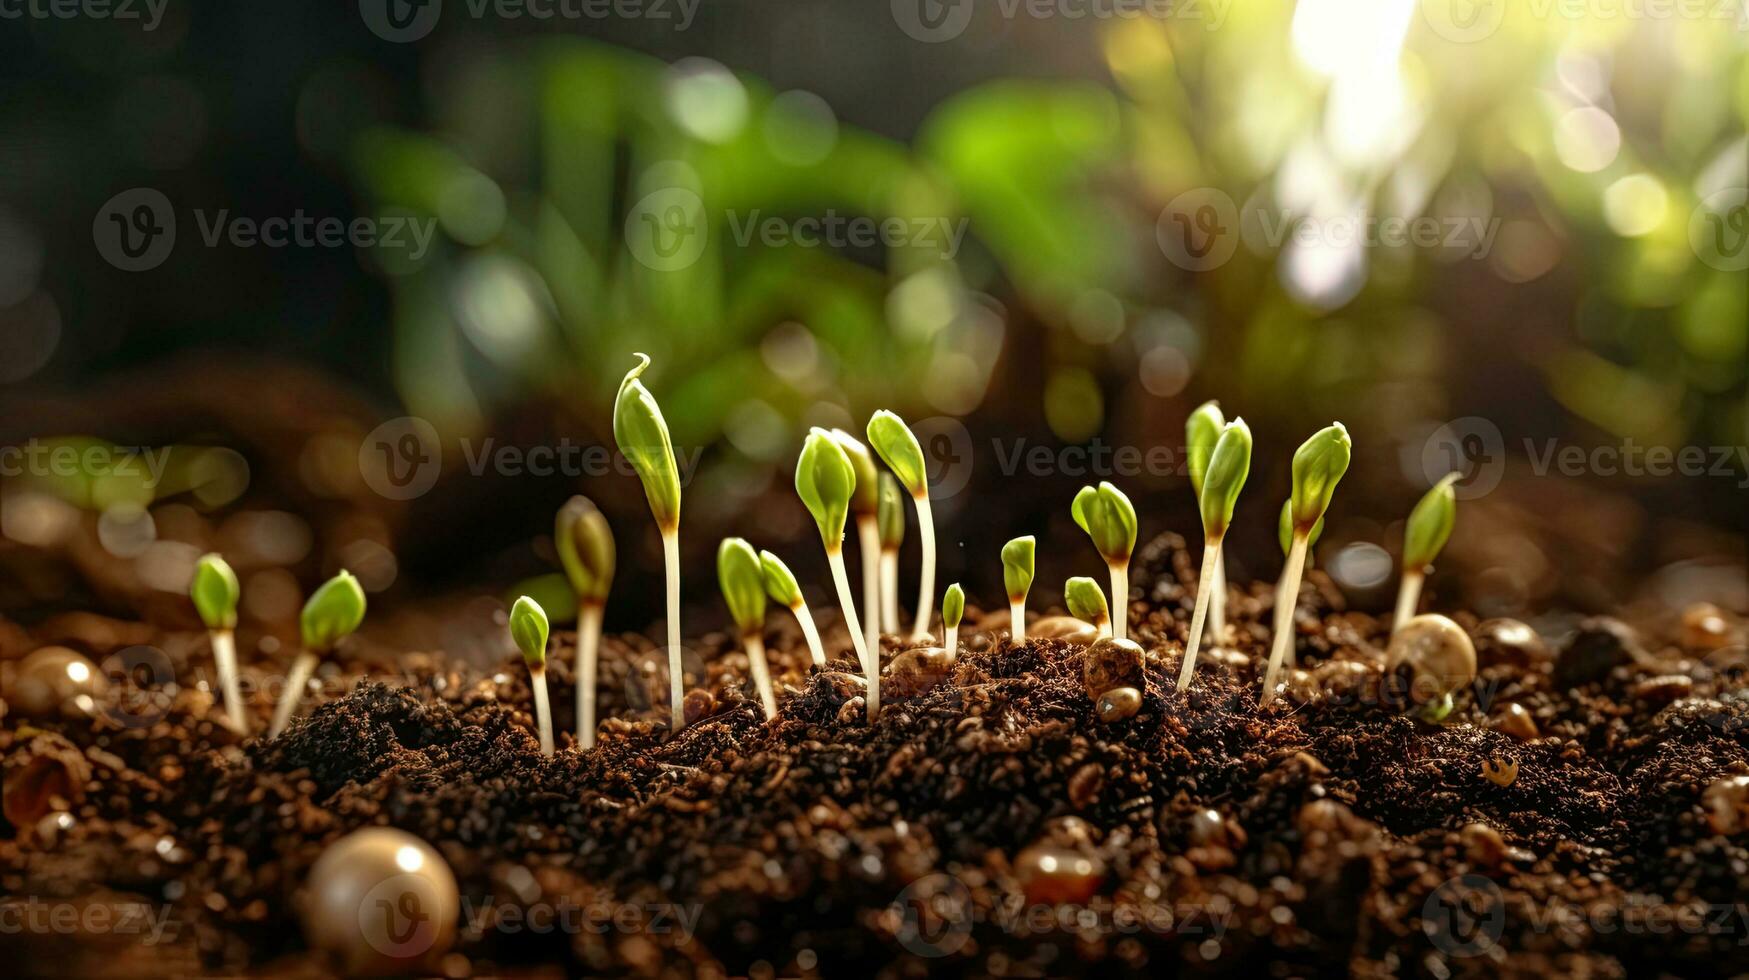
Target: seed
[
  {"x": 1515, "y": 721},
  {"x": 917, "y": 670},
  {"x": 381, "y": 901},
  {"x": 1054, "y": 875},
  {"x": 1663, "y": 689},
  {"x": 1483, "y": 845},
  {"x": 1435, "y": 652},
  {"x": 1118, "y": 704},
  {"x": 698, "y": 705},
  {"x": 1112, "y": 663},
  {"x": 56, "y": 682},
  {"x": 1601, "y": 645},
  {"x": 1508, "y": 641},
  {"x": 1078, "y": 632},
  {"x": 1704, "y": 628}
]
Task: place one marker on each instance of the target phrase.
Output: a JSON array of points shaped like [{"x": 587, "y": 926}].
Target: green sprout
[
  {"x": 891, "y": 525},
  {"x": 586, "y": 551},
  {"x": 529, "y": 628},
  {"x": 1319, "y": 464},
  {"x": 1201, "y": 431},
  {"x": 1429, "y": 528},
  {"x": 953, "y": 609},
  {"x": 215, "y": 593},
  {"x": 643, "y": 439},
  {"x": 332, "y": 613},
  {"x": 742, "y": 577},
  {"x": 865, "y": 504},
  {"x": 1110, "y": 520},
  {"x": 1017, "y": 568},
  {"x": 1284, "y": 531},
  {"x": 782, "y": 587},
  {"x": 1086, "y": 601},
  {"x": 1229, "y": 466},
  {"x": 825, "y": 481},
  {"x": 893, "y": 440}
]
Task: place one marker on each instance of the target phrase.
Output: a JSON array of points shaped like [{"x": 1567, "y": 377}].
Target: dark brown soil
[{"x": 990, "y": 825}]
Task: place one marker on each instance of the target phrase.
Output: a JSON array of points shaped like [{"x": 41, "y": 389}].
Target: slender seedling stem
[
  {"x": 889, "y": 595},
  {"x": 1210, "y": 554},
  {"x": 1286, "y": 597},
  {"x": 676, "y": 683},
  {"x": 761, "y": 673},
  {"x": 1408, "y": 597},
  {"x": 225, "y": 655},
  {"x": 301, "y": 669},
  {"x": 1218, "y": 600},
  {"x": 543, "y": 710},
  {"x": 806, "y": 618},
  {"x": 870, "y": 660},
  {"x": 952, "y": 641},
  {"x": 868, "y": 540},
  {"x": 926, "y": 588},
  {"x": 1017, "y": 619},
  {"x": 1120, "y": 601},
  {"x": 588, "y": 650}
]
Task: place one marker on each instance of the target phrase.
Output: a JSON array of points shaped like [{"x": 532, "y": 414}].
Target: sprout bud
[
  {"x": 332, "y": 613},
  {"x": 1319, "y": 464},
  {"x": 825, "y": 481},
  {"x": 585, "y": 546},
  {"x": 1086, "y": 600},
  {"x": 529, "y": 628},
  {"x": 1430, "y": 525},
  {"x": 1017, "y": 568},
  {"x": 1110, "y": 520},
  {"x": 642, "y": 436},
  {"x": 215, "y": 592},
  {"x": 953, "y": 609},
  {"x": 894, "y": 442},
  {"x": 1229, "y": 466},
  {"x": 1201, "y": 431},
  {"x": 1284, "y": 529},
  {"x": 866, "y": 499},
  {"x": 742, "y": 577}
]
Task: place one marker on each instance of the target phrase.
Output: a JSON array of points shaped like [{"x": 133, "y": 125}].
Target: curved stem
[
  {"x": 806, "y": 619},
  {"x": 225, "y": 656},
  {"x": 588, "y": 648},
  {"x": 889, "y": 596},
  {"x": 543, "y": 710},
  {"x": 676, "y": 683},
  {"x": 761, "y": 674},
  {"x": 1218, "y": 601},
  {"x": 1017, "y": 619},
  {"x": 1210, "y": 552},
  {"x": 301, "y": 669},
  {"x": 1287, "y": 596},
  {"x": 871, "y": 664},
  {"x": 868, "y": 540},
  {"x": 926, "y": 585},
  {"x": 1408, "y": 597},
  {"x": 1120, "y": 600}
]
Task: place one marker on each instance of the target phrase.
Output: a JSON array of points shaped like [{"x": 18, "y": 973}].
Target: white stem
[
  {"x": 871, "y": 665},
  {"x": 889, "y": 623},
  {"x": 1120, "y": 600},
  {"x": 588, "y": 652},
  {"x": 868, "y": 539},
  {"x": 1017, "y": 618},
  {"x": 676, "y": 683},
  {"x": 225, "y": 656},
  {"x": 543, "y": 710},
  {"x": 761, "y": 674},
  {"x": 925, "y": 587},
  {"x": 301, "y": 669},
  {"x": 806, "y": 619},
  {"x": 1104, "y": 626},
  {"x": 1286, "y": 597},
  {"x": 952, "y": 641},
  {"x": 1218, "y": 601},
  {"x": 1210, "y": 552},
  {"x": 1408, "y": 597}
]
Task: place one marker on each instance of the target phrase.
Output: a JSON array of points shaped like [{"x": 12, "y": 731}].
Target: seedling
[
  {"x": 1109, "y": 519},
  {"x": 825, "y": 481},
  {"x": 1319, "y": 464},
  {"x": 1017, "y": 566},
  {"x": 1201, "y": 431},
  {"x": 1284, "y": 529},
  {"x": 1086, "y": 601},
  {"x": 865, "y": 505},
  {"x": 215, "y": 593},
  {"x": 953, "y": 609},
  {"x": 1228, "y": 468},
  {"x": 642, "y": 437},
  {"x": 528, "y": 627},
  {"x": 898, "y": 448},
  {"x": 742, "y": 577},
  {"x": 892, "y": 535},
  {"x": 781, "y": 586},
  {"x": 332, "y": 613},
  {"x": 1429, "y": 528},
  {"x": 585, "y": 545}
]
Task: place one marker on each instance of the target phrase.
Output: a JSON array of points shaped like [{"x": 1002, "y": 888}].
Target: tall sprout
[
  {"x": 529, "y": 629},
  {"x": 825, "y": 481},
  {"x": 215, "y": 592},
  {"x": 1109, "y": 519},
  {"x": 865, "y": 504},
  {"x": 742, "y": 578},
  {"x": 891, "y": 524},
  {"x": 897, "y": 446},
  {"x": 1201, "y": 431},
  {"x": 1228, "y": 468},
  {"x": 1319, "y": 464},
  {"x": 332, "y": 613},
  {"x": 1428, "y": 530},
  {"x": 642, "y": 437},
  {"x": 586, "y": 551},
  {"x": 782, "y": 587}
]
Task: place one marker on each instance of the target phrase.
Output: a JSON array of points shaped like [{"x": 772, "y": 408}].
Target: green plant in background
[
  {"x": 953, "y": 609},
  {"x": 1429, "y": 528},
  {"x": 1201, "y": 431},
  {"x": 586, "y": 551},
  {"x": 642, "y": 436},
  {"x": 891, "y": 531},
  {"x": 1086, "y": 601},
  {"x": 865, "y": 507},
  {"x": 1229, "y": 466},
  {"x": 1109, "y": 519},
  {"x": 215, "y": 592},
  {"x": 898, "y": 448},
  {"x": 742, "y": 578},
  {"x": 825, "y": 481},
  {"x": 332, "y": 613},
  {"x": 1319, "y": 465},
  {"x": 1017, "y": 568},
  {"x": 529, "y": 629},
  {"x": 782, "y": 587}
]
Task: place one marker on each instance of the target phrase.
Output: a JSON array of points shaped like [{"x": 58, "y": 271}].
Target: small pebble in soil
[
  {"x": 916, "y": 671},
  {"x": 1052, "y": 875},
  {"x": 1500, "y": 772},
  {"x": 1516, "y": 721},
  {"x": 1663, "y": 689},
  {"x": 1112, "y": 663},
  {"x": 56, "y": 682},
  {"x": 1600, "y": 645},
  {"x": 1435, "y": 653},
  {"x": 1704, "y": 628},
  {"x": 381, "y": 902},
  {"x": 1483, "y": 845},
  {"x": 1118, "y": 704},
  {"x": 1727, "y": 805},
  {"x": 1078, "y": 632},
  {"x": 1508, "y": 641},
  {"x": 698, "y": 705}
]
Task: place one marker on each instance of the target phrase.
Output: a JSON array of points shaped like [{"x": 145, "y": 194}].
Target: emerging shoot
[
  {"x": 642, "y": 437},
  {"x": 825, "y": 481},
  {"x": 898, "y": 448},
  {"x": 330, "y": 615},
  {"x": 1086, "y": 601},
  {"x": 1110, "y": 520},
  {"x": 1318, "y": 466},
  {"x": 742, "y": 577},
  {"x": 215, "y": 592},
  {"x": 865, "y": 505},
  {"x": 528, "y": 627},
  {"x": 1017, "y": 565},
  {"x": 1430, "y": 525},
  {"x": 1201, "y": 431},
  {"x": 891, "y": 525},
  {"x": 585, "y": 545},
  {"x": 1229, "y": 465},
  {"x": 953, "y": 609},
  {"x": 781, "y": 586}
]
